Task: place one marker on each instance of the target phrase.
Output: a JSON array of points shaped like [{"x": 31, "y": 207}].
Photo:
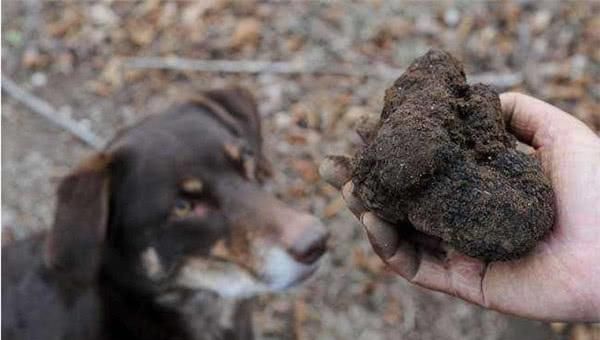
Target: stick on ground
[
  {"x": 501, "y": 80},
  {"x": 45, "y": 110}
]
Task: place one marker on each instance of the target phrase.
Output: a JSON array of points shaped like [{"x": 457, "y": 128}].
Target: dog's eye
[{"x": 182, "y": 208}]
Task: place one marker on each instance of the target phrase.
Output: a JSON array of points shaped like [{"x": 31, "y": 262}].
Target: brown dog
[{"x": 163, "y": 236}]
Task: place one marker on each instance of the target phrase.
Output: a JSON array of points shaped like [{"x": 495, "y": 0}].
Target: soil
[{"x": 442, "y": 159}]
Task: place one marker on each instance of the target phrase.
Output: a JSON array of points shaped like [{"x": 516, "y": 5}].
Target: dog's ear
[
  {"x": 240, "y": 104},
  {"x": 74, "y": 244}
]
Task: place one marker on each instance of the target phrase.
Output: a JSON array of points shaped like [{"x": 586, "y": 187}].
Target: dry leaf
[
  {"x": 247, "y": 33},
  {"x": 393, "y": 312},
  {"x": 32, "y": 58},
  {"x": 141, "y": 32},
  {"x": 111, "y": 74},
  {"x": 70, "y": 20},
  {"x": 193, "y": 12},
  {"x": 334, "y": 207},
  {"x": 306, "y": 169},
  {"x": 295, "y": 138},
  {"x": 581, "y": 332}
]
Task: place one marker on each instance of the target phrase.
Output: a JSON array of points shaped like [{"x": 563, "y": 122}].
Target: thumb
[{"x": 538, "y": 123}]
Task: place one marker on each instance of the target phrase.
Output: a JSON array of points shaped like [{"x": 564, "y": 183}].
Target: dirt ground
[{"x": 73, "y": 54}]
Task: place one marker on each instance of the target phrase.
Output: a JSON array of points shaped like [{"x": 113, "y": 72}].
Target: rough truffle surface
[{"x": 441, "y": 158}]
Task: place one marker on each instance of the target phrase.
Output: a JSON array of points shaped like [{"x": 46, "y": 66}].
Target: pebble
[
  {"x": 451, "y": 17},
  {"x": 39, "y": 79}
]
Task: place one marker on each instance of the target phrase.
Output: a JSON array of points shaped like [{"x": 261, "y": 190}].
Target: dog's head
[{"x": 175, "y": 203}]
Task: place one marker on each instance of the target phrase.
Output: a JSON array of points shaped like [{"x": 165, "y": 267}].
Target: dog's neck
[
  {"x": 208, "y": 316},
  {"x": 176, "y": 315}
]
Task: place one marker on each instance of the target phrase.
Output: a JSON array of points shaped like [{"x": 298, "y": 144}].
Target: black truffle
[{"x": 441, "y": 158}]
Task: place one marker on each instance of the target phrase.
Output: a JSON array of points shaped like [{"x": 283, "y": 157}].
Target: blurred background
[{"x": 316, "y": 68}]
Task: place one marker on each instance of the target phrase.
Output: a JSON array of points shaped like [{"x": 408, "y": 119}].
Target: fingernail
[
  {"x": 336, "y": 170},
  {"x": 353, "y": 202},
  {"x": 382, "y": 235}
]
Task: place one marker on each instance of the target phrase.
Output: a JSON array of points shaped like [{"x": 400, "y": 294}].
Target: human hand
[{"x": 560, "y": 278}]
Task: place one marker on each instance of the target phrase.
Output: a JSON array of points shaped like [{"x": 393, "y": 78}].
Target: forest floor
[{"x": 77, "y": 56}]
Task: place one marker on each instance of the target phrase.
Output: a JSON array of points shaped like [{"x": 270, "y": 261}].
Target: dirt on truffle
[{"x": 441, "y": 158}]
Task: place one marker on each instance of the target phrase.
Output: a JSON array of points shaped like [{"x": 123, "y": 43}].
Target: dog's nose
[
  {"x": 310, "y": 242},
  {"x": 302, "y": 236}
]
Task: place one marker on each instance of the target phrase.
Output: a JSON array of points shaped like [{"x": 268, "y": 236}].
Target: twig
[
  {"x": 409, "y": 309},
  {"x": 299, "y": 318},
  {"x": 502, "y": 80},
  {"x": 229, "y": 66},
  {"x": 45, "y": 110}
]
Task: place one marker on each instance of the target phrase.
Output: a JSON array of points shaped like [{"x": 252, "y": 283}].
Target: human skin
[{"x": 560, "y": 279}]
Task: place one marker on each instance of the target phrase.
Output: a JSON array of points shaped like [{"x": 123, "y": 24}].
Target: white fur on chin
[{"x": 280, "y": 271}]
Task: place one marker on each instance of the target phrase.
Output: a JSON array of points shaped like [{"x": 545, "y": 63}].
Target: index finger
[{"x": 535, "y": 122}]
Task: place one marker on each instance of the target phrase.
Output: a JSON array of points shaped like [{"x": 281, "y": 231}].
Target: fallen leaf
[
  {"x": 247, "y": 33},
  {"x": 141, "y": 32},
  {"x": 393, "y": 312},
  {"x": 334, "y": 207},
  {"x": 581, "y": 332},
  {"x": 70, "y": 20},
  {"x": 306, "y": 169},
  {"x": 558, "y": 327},
  {"x": 295, "y": 138},
  {"x": 32, "y": 58},
  {"x": 300, "y": 316}
]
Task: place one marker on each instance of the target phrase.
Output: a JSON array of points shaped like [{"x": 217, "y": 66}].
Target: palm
[{"x": 559, "y": 279}]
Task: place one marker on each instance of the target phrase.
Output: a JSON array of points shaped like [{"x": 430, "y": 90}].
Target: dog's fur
[{"x": 164, "y": 235}]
